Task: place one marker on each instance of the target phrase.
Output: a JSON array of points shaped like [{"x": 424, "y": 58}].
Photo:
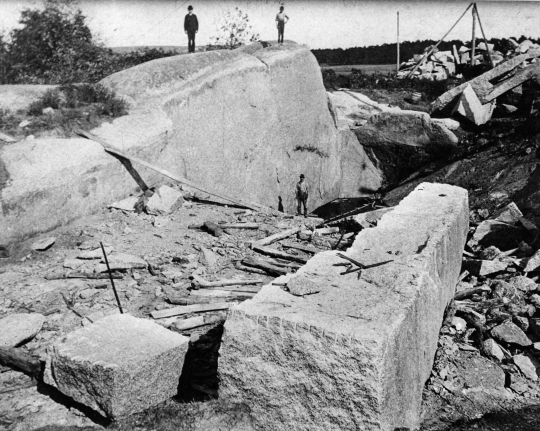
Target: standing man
[
  {"x": 191, "y": 27},
  {"x": 281, "y": 19},
  {"x": 302, "y": 195}
]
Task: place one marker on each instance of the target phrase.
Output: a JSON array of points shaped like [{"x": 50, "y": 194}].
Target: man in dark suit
[{"x": 191, "y": 27}]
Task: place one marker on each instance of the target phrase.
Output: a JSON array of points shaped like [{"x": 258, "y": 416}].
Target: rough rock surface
[
  {"x": 119, "y": 365},
  {"x": 343, "y": 358},
  {"x": 237, "y": 123},
  {"x": 17, "y": 328},
  {"x": 511, "y": 334},
  {"x": 164, "y": 201},
  {"x": 401, "y": 142},
  {"x": 526, "y": 366}
]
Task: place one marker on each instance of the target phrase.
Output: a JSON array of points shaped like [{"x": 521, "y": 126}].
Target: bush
[
  {"x": 233, "y": 30},
  {"x": 51, "y": 99}
]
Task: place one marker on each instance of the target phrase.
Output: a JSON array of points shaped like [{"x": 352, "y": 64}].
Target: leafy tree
[
  {"x": 233, "y": 30},
  {"x": 53, "y": 45}
]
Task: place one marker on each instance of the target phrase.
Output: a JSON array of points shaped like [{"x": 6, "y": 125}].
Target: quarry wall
[{"x": 245, "y": 123}]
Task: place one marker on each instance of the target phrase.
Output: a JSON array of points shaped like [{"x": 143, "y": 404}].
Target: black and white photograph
[{"x": 266, "y": 215}]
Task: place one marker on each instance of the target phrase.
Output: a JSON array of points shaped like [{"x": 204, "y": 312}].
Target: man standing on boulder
[
  {"x": 302, "y": 195},
  {"x": 191, "y": 27},
  {"x": 281, "y": 19}
]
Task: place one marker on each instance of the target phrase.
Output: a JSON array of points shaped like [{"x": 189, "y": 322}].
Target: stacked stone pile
[{"x": 496, "y": 309}]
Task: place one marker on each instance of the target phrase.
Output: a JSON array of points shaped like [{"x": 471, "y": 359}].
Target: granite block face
[
  {"x": 356, "y": 354},
  {"x": 119, "y": 365}
]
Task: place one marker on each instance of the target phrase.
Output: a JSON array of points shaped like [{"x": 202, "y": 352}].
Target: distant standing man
[
  {"x": 302, "y": 195},
  {"x": 281, "y": 19},
  {"x": 191, "y": 27}
]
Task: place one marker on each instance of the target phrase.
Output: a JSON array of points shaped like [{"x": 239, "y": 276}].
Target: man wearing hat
[
  {"x": 191, "y": 27},
  {"x": 302, "y": 195}
]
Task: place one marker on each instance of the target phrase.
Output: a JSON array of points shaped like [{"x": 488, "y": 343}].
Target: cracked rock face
[{"x": 119, "y": 365}]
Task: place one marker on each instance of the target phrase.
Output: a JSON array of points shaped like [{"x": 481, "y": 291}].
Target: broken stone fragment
[
  {"x": 491, "y": 349},
  {"x": 510, "y": 333},
  {"x": 122, "y": 261},
  {"x": 303, "y": 285},
  {"x": 127, "y": 204},
  {"x": 164, "y": 201},
  {"x": 470, "y": 107},
  {"x": 509, "y": 214},
  {"x": 490, "y": 253},
  {"x": 498, "y": 234},
  {"x": 526, "y": 366},
  {"x": 459, "y": 323},
  {"x": 118, "y": 365},
  {"x": 15, "y": 329},
  {"x": 43, "y": 243},
  {"x": 484, "y": 267},
  {"x": 96, "y": 253},
  {"x": 525, "y": 284},
  {"x": 533, "y": 263}
]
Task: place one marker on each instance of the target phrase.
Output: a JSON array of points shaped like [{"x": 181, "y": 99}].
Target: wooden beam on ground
[
  {"x": 518, "y": 79},
  {"x": 203, "y": 283},
  {"x": 17, "y": 359},
  {"x": 277, "y": 236},
  {"x": 239, "y": 225},
  {"x": 195, "y": 322},
  {"x": 111, "y": 149},
  {"x": 261, "y": 264},
  {"x": 240, "y": 289},
  {"x": 304, "y": 248},
  {"x": 278, "y": 253},
  {"x": 195, "y": 308}
]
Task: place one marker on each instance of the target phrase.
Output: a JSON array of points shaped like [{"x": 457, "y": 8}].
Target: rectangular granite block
[
  {"x": 119, "y": 365},
  {"x": 356, "y": 354}
]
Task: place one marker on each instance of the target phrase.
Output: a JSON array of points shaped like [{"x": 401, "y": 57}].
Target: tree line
[{"x": 386, "y": 53}]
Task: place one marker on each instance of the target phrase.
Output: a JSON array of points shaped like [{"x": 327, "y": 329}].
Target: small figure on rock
[
  {"x": 302, "y": 192},
  {"x": 191, "y": 27},
  {"x": 281, "y": 19}
]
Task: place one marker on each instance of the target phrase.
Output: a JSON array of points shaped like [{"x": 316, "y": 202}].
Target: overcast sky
[{"x": 319, "y": 24}]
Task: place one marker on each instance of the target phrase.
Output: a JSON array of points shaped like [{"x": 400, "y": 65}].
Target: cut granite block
[
  {"x": 355, "y": 355},
  {"x": 119, "y": 365}
]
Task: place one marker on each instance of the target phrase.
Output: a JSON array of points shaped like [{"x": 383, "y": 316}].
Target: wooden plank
[
  {"x": 17, "y": 359},
  {"x": 239, "y": 225},
  {"x": 480, "y": 84},
  {"x": 243, "y": 289},
  {"x": 111, "y": 149},
  {"x": 277, "y": 236},
  {"x": 260, "y": 264},
  {"x": 195, "y": 322},
  {"x": 203, "y": 283},
  {"x": 195, "y": 308},
  {"x": 518, "y": 79},
  {"x": 305, "y": 248},
  {"x": 278, "y": 253}
]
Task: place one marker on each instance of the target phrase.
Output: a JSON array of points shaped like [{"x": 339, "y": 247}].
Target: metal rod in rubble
[{"x": 111, "y": 278}]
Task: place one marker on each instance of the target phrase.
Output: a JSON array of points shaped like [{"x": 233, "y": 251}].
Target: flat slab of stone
[
  {"x": 355, "y": 355},
  {"x": 119, "y": 365},
  {"x": 17, "y": 328}
]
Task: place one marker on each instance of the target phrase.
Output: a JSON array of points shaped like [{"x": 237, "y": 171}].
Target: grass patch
[{"x": 83, "y": 106}]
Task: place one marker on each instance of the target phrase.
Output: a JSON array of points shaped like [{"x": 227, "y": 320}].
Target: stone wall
[{"x": 245, "y": 123}]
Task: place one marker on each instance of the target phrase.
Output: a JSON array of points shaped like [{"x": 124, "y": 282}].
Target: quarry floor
[{"x": 508, "y": 164}]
